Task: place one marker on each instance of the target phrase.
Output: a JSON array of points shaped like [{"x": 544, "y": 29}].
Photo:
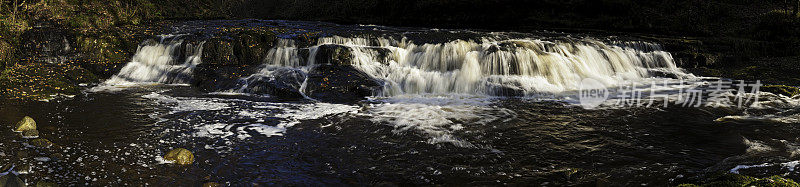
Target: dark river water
[
  {"x": 117, "y": 138},
  {"x": 447, "y": 108}
]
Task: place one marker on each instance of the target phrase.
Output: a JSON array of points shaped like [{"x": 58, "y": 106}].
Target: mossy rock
[
  {"x": 730, "y": 179},
  {"x": 41, "y": 142},
  {"x": 781, "y": 89},
  {"x": 45, "y": 184},
  {"x": 27, "y": 123},
  {"x": 774, "y": 181},
  {"x": 180, "y": 156},
  {"x": 11, "y": 180},
  {"x": 30, "y": 134}
]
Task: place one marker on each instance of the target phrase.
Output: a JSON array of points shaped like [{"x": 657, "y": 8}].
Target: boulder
[
  {"x": 30, "y": 134},
  {"x": 180, "y": 156},
  {"x": 280, "y": 82},
  {"x": 333, "y": 54},
  {"x": 41, "y": 142},
  {"x": 45, "y": 184},
  {"x": 215, "y": 77},
  {"x": 27, "y": 123},
  {"x": 238, "y": 48},
  {"x": 340, "y": 84},
  {"x": 11, "y": 180}
]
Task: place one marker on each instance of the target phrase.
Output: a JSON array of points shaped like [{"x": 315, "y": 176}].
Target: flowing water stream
[{"x": 483, "y": 109}]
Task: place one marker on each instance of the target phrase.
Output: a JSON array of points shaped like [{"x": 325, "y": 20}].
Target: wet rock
[
  {"x": 22, "y": 154},
  {"x": 773, "y": 181},
  {"x": 24, "y": 169},
  {"x": 281, "y": 82},
  {"x": 57, "y": 156},
  {"x": 5, "y": 167},
  {"x": 340, "y": 84},
  {"x": 30, "y": 134},
  {"x": 41, "y": 142},
  {"x": 180, "y": 156},
  {"x": 11, "y": 180},
  {"x": 334, "y": 54},
  {"x": 238, "y": 48},
  {"x": 212, "y": 77},
  {"x": 211, "y": 184},
  {"x": 45, "y": 184},
  {"x": 219, "y": 51},
  {"x": 27, "y": 123},
  {"x": 788, "y": 91},
  {"x": 50, "y": 44}
]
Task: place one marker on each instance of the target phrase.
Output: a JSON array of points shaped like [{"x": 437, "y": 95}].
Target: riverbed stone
[
  {"x": 788, "y": 91},
  {"x": 340, "y": 84},
  {"x": 5, "y": 167},
  {"x": 45, "y": 184},
  {"x": 180, "y": 156},
  {"x": 281, "y": 82},
  {"x": 23, "y": 169},
  {"x": 334, "y": 54},
  {"x": 41, "y": 142},
  {"x": 27, "y": 123},
  {"x": 11, "y": 180},
  {"x": 30, "y": 134}
]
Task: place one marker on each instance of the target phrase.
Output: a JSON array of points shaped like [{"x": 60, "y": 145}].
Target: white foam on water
[
  {"x": 436, "y": 117},
  {"x": 178, "y": 104},
  {"x": 314, "y": 111},
  {"x": 788, "y": 110},
  {"x": 736, "y": 169}
]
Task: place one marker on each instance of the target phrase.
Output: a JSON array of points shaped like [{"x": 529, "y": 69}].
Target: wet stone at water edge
[
  {"x": 11, "y": 180},
  {"x": 180, "y": 156},
  {"x": 41, "y": 142},
  {"x": 30, "y": 134},
  {"x": 27, "y": 123}
]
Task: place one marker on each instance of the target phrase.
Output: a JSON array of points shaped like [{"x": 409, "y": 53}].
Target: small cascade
[
  {"x": 489, "y": 67},
  {"x": 169, "y": 60}
]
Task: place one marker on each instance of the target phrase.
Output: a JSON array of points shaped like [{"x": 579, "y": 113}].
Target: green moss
[
  {"x": 730, "y": 179},
  {"x": 781, "y": 89},
  {"x": 774, "y": 181}
]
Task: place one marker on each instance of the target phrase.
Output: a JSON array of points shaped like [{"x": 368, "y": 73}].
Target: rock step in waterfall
[{"x": 346, "y": 69}]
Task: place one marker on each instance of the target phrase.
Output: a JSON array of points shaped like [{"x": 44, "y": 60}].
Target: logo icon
[{"x": 592, "y": 93}]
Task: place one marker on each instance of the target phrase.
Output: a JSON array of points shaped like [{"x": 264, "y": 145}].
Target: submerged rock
[
  {"x": 281, "y": 82},
  {"x": 211, "y": 184},
  {"x": 180, "y": 156},
  {"x": 11, "y": 180},
  {"x": 27, "y": 123},
  {"x": 41, "y": 142},
  {"x": 30, "y": 134},
  {"x": 340, "y": 84}
]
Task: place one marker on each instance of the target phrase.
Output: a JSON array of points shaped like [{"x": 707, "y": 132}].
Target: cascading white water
[
  {"x": 492, "y": 67},
  {"x": 159, "y": 62}
]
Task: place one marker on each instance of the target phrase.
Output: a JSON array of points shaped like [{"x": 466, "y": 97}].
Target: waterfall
[
  {"x": 169, "y": 60},
  {"x": 489, "y": 66}
]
